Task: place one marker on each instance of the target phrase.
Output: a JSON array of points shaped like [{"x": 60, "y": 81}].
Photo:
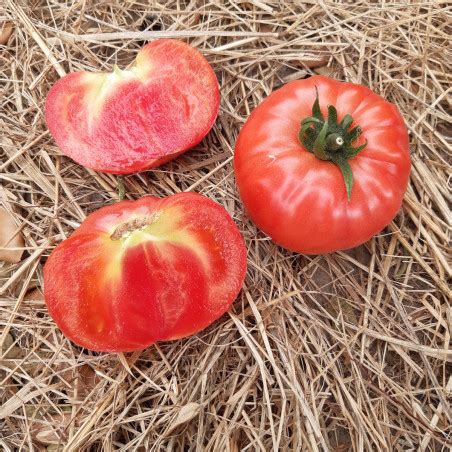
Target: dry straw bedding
[{"x": 348, "y": 351}]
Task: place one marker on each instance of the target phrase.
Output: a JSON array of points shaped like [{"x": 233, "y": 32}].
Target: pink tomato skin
[{"x": 301, "y": 201}]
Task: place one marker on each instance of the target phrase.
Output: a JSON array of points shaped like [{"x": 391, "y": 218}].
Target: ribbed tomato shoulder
[{"x": 301, "y": 201}]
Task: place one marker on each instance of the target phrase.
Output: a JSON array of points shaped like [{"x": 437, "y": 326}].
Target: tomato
[
  {"x": 131, "y": 120},
  {"x": 322, "y": 165},
  {"x": 138, "y": 272}
]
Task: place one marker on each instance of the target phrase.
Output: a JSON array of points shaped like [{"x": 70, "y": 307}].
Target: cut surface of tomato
[
  {"x": 138, "y": 272},
  {"x": 135, "y": 119}
]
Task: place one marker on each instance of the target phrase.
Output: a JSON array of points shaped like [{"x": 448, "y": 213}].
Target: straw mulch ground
[{"x": 348, "y": 351}]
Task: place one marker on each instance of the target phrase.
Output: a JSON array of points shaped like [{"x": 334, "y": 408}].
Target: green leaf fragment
[
  {"x": 353, "y": 152},
  {"x": 346, "y": 122},
  {"x": 316, "y": 107},
  {"x": 332, "y": 115},
  {"x": 346, "y": 171},
  {"x": 320, "y": 143},
  {"x": 354, "y": 134}
]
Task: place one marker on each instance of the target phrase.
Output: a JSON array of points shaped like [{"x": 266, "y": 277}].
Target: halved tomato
[
  {"x": 138, "y": 272},
  {"x": 131, "y": 120}
]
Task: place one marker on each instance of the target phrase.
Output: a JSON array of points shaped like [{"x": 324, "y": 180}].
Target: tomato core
[
  {"x": 331, "y": 140},
  {"x": 127, "y": 228}
]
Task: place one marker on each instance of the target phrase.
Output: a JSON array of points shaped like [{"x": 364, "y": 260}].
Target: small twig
[{"x": 121, "y": 188}]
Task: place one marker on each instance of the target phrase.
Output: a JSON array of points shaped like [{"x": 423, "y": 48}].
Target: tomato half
[
  {"x": 138, "y": 272},
  {"x": 131, "y": 120},
  {"x": 322, "y": 165}
]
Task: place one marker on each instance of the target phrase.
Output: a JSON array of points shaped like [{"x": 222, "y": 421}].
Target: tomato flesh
[
  {"x": 131, "y": 120},
  {"x": 301, "y": 201},
  {"x": 150, "y": 270}
]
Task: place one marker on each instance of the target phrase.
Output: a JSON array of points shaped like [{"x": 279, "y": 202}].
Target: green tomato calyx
[{"x": 331, "y": 140}]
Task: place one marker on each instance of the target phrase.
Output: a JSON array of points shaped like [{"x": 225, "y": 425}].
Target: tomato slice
[
  {"x": 150, "y": 270},
  {"x": 131, "y": 120}
]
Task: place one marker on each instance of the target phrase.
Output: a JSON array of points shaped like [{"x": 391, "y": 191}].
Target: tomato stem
[
  {"x": 330, "y": 140},
  {"x": 121, "y": 188},
  {"x": 334, "y": 141}
]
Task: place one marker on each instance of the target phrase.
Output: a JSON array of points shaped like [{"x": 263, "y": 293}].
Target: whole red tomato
[
  {"x": 131, "y": 120},
  {"x": 322, "y": 165},
  {"x": 142, "y": 271}
]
